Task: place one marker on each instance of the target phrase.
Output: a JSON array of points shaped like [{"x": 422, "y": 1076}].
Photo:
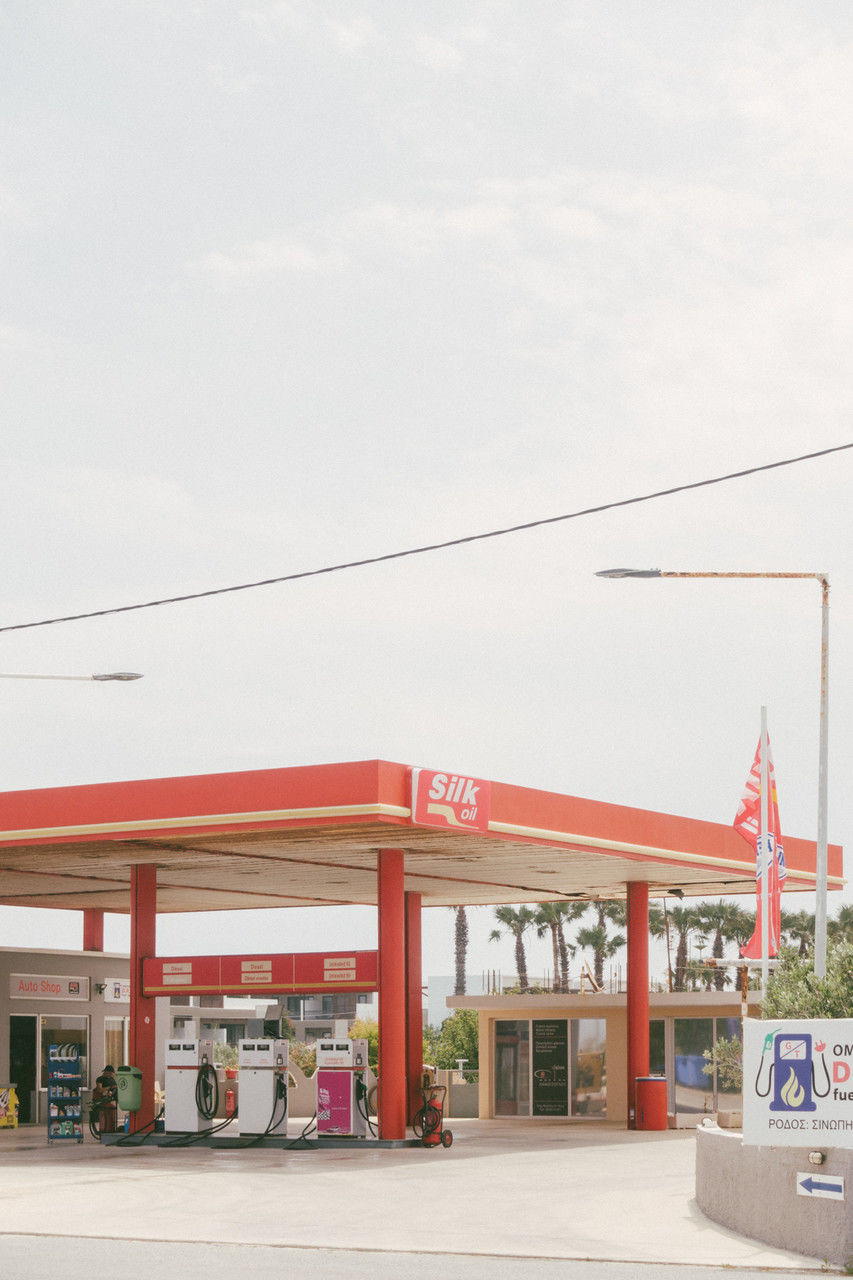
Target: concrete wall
[{"x": 753, "y": 1190}]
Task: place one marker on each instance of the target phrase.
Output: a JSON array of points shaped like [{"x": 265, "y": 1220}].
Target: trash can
[
  {"x": 129, "y": 1094},
  {"x": 650, "y": 1106}
]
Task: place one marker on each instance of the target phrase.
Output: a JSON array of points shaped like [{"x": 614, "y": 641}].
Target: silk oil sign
[
  {"x": 449, "y": 800},
  {"x": 798, "y": 1083}
]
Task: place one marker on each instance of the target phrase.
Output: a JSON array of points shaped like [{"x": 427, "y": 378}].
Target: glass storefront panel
[
  {"x": 512, "y": 1068},
  {"x": 589, "y": 1066},
  {"x": 728, "y": 1029},
  {"x": 550, "y": 1067},
  {"x": 657, "y": 1047},
  {"x": 694, "y": 1091},
  {"x": 114, "y": 1040}
]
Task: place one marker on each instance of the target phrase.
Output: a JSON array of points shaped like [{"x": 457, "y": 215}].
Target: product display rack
[{"x": 64, "y": 1093}]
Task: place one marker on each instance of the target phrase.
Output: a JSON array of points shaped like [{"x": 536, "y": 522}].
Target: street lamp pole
[
  {"x": 108, "y": 675},
  {"x": 822, "y": 858}
]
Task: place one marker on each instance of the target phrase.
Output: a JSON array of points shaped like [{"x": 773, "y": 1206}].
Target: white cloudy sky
[{"x": 286, "y": 284}]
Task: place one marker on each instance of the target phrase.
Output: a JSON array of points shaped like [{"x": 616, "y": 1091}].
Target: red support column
[
  {"x": 392, "y": 994},
  {"x": 143, "y": 927},
  {"x": 638, "y": 990},
  {"x": 93, "y": 929},
  {"x": 414, "y": 1005}
]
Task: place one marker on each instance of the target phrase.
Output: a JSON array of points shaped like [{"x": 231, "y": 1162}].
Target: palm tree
[
  {"x": 569, "y": 911},
  {"x": 742, "y": 929},
  {"x": 596, "y": 938},
  {"x": 841, "y": 928},
  {"x": 799, "y": 927},
  {"x": 461, "y": 949},
  {"x": 719, "y": 918},
  {"x": 517, "y": 922},
  {"x": 658, "y": 929},
  {"x": 549, "y": 919},
  {"x": 683, "y": 920}
]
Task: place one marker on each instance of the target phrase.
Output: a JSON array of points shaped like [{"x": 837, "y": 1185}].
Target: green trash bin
[{"x": 129, "y": 1094}]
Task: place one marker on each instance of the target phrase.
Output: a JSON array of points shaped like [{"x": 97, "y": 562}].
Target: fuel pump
[
  {"x": 192, "y": 1092},
  {"x": 342, "y": 1088},
  {"x": 262, "y": 1108}
]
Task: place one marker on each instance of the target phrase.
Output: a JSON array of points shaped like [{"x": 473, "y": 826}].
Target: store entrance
[{"x": 22, "y": 1065}]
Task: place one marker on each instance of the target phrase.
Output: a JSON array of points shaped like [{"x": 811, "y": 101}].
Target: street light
[
  {"x": 108, "y": 675},
  {"x": 821, "y": 863}
]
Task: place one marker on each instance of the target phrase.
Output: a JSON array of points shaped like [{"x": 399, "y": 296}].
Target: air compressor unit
[
  {"x": 342, "y": 1088},
  {"x": 191, "y": 1086},
  {"x": 262, "y": 1103}
]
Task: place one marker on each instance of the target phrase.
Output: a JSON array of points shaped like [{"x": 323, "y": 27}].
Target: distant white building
[{"x": 439, "y": 988}]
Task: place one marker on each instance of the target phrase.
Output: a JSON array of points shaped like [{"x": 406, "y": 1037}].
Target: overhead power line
[{"x": 430, "y": 547}]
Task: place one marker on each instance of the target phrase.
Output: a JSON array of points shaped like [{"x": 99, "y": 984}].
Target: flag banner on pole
[{"x": 748, "y": 824}]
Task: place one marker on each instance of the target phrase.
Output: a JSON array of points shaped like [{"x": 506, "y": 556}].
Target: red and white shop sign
[{"x": 450, "y": 800}]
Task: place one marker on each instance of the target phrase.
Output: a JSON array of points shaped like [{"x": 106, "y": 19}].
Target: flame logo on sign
[{"x": 792, "y": 1093}]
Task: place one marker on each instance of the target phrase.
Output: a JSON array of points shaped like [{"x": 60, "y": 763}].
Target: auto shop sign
[
  {"x": 47, "y": 986},
  {"x": 798, "y": 1082},
  {"x": 449, "y": 800}
]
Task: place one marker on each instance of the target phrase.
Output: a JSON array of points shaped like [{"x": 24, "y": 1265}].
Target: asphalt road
[{"x": 76, "y": 1258}]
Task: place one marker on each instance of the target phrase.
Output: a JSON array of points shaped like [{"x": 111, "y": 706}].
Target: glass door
[{"x": 22, "y": 1065}]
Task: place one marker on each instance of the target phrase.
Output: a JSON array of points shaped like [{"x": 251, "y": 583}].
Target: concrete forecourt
[{"x": 507, "y": 1199}]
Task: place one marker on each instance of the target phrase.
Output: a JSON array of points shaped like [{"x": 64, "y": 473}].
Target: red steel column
[
  {"x": 392, "y": 994},
  {"x": 143, "y": 928},
  {"x": 93, "y": 929},
  {"x": 414, "y": 1005},
  {"x": 638, "y": 990}
]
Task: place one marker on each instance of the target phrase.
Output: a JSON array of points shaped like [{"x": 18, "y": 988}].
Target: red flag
[{"x": 748, "y": 824}]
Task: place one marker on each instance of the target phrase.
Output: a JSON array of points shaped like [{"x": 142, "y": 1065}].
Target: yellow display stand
[{"x": 8, "y": 1108}]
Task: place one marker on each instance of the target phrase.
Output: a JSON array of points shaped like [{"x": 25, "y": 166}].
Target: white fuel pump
[
  {"x": 342, "y": 1088},
  {"x": 262, "y": 1107},
  {"x": 191, "y": 1088}
]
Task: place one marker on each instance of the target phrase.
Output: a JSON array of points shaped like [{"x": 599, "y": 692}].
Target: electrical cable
[
  {"x": 361, "y": 1104},
  {"x": 304, "y": 1135},
  {"x": 207, "y": 1091},
  {"x": 145, "y": 1132},
  {"x": 188, "y": 1139},
  {"x": 436, "y": 546}
]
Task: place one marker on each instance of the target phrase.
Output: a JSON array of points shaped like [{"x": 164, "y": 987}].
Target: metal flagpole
[{"x": 762, "y": 850}]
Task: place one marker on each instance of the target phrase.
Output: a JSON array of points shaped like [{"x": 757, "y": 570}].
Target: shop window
[
  {"x": 657, "y": 1047},
  {"x": 114, "y": 1041},
  {"x": 550, "y": 1096},
  {"x": 512, "y": 1068},
  {"x": 56, "y": 1029},
  {"x": 589, "y": 1067},
  {"x": 727, "y": 1099},
  {"x": 694, "y": 1091}
]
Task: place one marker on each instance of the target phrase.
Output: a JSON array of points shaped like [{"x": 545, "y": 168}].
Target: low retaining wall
[{"x": 753, "y": 1190}]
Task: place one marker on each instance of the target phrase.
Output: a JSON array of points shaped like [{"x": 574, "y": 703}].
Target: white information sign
[
  {"x": 798, "y": 1083},
  {"x": 117, "y": 990},
  {"x": 825, "y": 1186}
]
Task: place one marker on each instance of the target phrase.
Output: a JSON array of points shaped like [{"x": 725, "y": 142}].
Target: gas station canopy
[{"x": 309, "y": 836}]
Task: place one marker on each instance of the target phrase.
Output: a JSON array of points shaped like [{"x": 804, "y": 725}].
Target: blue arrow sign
[{"x": 809, "y": 1184}]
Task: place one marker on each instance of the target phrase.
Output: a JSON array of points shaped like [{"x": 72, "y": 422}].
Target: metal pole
[
  {"x": 762, "y": 850},
  {"x": 822, "y": 858}
]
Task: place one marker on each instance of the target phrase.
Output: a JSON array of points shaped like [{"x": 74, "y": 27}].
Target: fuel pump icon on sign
[{"x": 792, "y": 1072}]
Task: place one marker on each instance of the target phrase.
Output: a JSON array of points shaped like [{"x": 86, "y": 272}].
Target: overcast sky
[{"x": 289, "y": 284}]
